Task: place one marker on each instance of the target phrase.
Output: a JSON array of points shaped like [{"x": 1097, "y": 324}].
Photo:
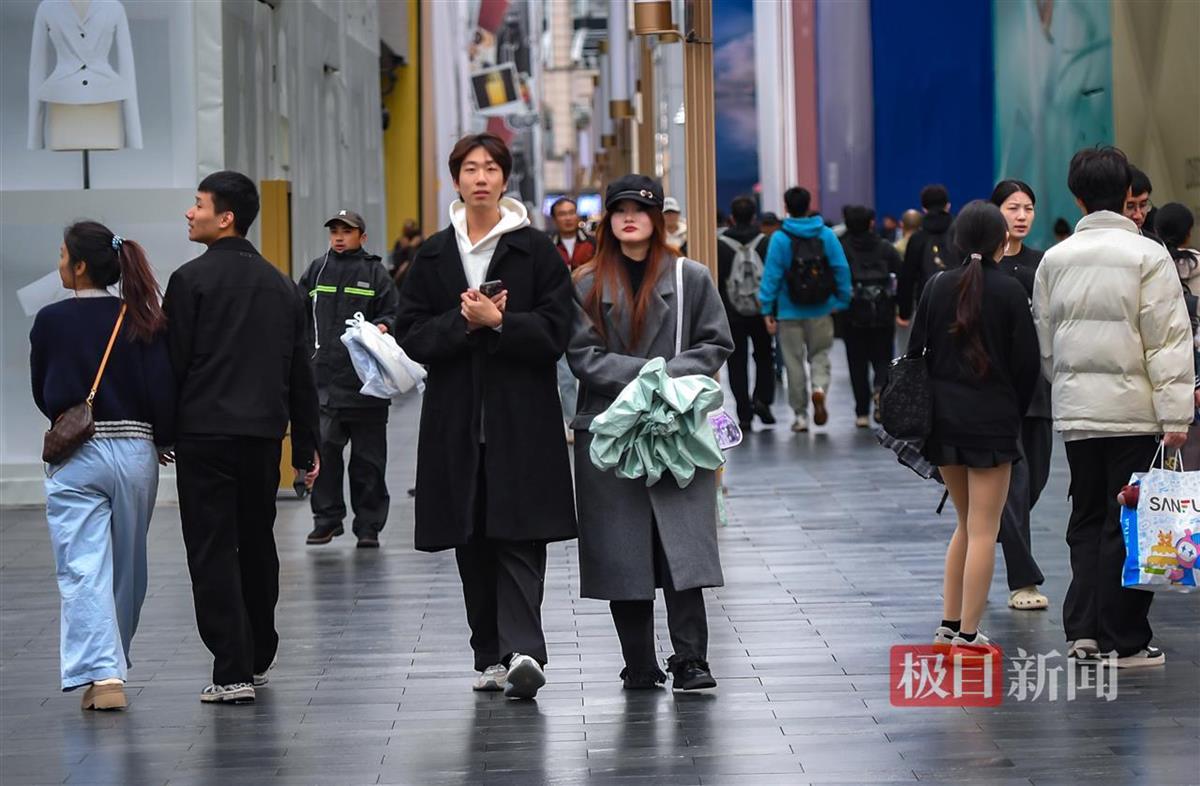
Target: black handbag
[{"x": 906, "y": 403}]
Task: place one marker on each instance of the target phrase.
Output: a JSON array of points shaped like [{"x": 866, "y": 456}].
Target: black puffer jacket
[{"x": 338, "y": 286}]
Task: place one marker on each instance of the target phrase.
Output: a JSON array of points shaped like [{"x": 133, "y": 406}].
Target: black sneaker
[
  {"x": 764, "y": 413},
  {"x": 690, "y": 674},
  {"x": 642, "y": 679},
  {"x": 368, "y": 540},
  {"x": 323, "y": 533}
]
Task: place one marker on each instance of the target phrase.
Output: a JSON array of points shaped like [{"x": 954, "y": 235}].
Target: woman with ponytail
[
  {"x": 99, "y": 499},
  {"x": 982, "y": 352}
]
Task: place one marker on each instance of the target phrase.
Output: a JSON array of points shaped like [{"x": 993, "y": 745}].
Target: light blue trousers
[{"x": 98, "y": 506}]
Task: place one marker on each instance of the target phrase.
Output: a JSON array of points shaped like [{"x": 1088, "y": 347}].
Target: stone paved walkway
[{"x": 832, "y": 555}]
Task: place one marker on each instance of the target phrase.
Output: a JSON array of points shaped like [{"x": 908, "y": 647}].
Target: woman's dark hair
[
  {"x": 979, "y": 230},
  {"x": 1173, "y": 223},
  {"x": 110, "y": 259},
  {"x": 232, "y": 192},
  {"x": 1006, "y": 188},
  {"x": 1100, "y": 177},
  {"x": 609, "y": 271},
  {"x": 494, "y": 146}
]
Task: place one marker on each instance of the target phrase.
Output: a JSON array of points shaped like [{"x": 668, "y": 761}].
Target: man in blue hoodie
[{"x": 805, "y": 331}]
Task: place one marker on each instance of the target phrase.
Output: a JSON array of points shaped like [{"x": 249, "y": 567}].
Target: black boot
[
  {"x": 323, "y": 533},
  {"x": 690, "y": 674},
  {"x": 764, "y": 413},
  {"x": 642, "y": 679}
]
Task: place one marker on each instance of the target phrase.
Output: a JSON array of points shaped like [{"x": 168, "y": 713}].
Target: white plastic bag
[
  {"x": 386, "y": 372},
  {"x": 1162, "y": 533}
]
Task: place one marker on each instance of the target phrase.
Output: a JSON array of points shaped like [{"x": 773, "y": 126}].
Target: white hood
[{"x": 477, "y": 257}]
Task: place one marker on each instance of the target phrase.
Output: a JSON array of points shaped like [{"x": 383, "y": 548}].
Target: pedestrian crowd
[{"x": 528, "y": 338}]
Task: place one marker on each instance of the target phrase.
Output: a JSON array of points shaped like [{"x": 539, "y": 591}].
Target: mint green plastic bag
[{"x": 659, "y": 424}]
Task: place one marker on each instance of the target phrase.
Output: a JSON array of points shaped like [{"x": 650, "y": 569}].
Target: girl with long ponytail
[
  {"x": 110, "y": 351},
  {"x": 975, "y": 324}
]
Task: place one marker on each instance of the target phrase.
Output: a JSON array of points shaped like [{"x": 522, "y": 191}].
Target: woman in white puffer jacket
[{"x": 1116, "y": 344}]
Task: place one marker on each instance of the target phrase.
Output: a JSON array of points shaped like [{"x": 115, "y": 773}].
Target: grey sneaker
[
  {"x": 492, "y": 679},
  {"x": 1083, "y": 649},
  {"x": 1144, "y": 658},
  {"x": 237, "y": 693},
  {"x": 525, "y": 677},
  {"x": 261, "y": 679}
]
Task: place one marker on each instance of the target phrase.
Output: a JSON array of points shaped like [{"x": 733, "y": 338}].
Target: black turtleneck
[{"x": 636, "y": 268}]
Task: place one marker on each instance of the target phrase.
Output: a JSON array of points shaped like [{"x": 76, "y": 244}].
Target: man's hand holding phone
[{"x": 484, "y": 307}]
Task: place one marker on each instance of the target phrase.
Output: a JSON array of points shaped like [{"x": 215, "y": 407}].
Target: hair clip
[
  {"x": 978, "y": 257},
  {"x": 116, "y": 242}
]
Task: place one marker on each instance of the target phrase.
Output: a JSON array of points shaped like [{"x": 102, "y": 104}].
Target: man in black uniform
[
  {"x": 344, "y": 281},
  {"x": 238, "y": 350}
]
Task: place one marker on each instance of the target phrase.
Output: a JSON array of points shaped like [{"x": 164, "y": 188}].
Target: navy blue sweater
[{"x": 66, "y": 345}]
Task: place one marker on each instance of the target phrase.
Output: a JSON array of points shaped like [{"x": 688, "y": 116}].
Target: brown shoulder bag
[{"x": 76, "y": 426}]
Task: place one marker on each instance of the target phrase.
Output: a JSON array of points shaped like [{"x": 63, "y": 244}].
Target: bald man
[{"x": 910, "y": 222}]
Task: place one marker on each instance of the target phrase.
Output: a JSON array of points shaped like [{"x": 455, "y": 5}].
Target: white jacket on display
[
  {"x": 1114, "y": 333},
  {"x": 82, "y": 73}
]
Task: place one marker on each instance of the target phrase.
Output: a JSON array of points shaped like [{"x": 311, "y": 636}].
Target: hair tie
[
  {"x": 116, "y": 242},
  {"x": 976, "y": 257}
]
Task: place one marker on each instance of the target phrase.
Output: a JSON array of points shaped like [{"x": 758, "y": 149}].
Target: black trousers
[
  {"x": 753, "y": 331},
  {"x": 687, "y": 620},
  {"x": 367, "y": 435},
  {"x": 1096, "y": 605},
  {"x": 227, "y": 488},
  {"x": 503, "y": 584},
  {"x": 867, "y": 349},
  {"x": 1024, "y": 489}
]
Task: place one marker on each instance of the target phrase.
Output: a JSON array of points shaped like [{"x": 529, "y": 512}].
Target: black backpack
[
  {"x": 937, "y": 256},
  {"x": 871, "y": 300},
  {"x": 809, "y": 277}
]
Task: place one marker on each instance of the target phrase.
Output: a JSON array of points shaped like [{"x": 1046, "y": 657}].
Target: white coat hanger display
[{"x": 85, "y": 103}]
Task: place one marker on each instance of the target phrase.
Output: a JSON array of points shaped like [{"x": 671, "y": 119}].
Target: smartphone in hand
[{"x": 490, "y": 289}]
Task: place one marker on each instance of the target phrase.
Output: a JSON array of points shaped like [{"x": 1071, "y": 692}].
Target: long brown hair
[
  {"x": 110, "y": 259},
  {"x": 610, "y": 272}
]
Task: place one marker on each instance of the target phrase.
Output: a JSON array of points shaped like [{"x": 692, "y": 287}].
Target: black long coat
[{"x": 501, "y": 383}]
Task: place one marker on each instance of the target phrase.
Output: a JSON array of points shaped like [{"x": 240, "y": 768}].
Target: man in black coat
[
  {"x": 344, "y": 281},
  {"x": 487, "y": 307},
  {"x": 237, "y": 344},
  {"x": 929, "y": 251}
]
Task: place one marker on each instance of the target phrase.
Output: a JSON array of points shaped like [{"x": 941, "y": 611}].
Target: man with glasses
[{"x": 1138, "y": 207}]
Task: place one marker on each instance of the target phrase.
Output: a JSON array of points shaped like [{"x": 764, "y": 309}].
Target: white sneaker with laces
[
  {"x": 261, "y": 679},
  {"x": 237, "y": 693},
  {"x": 525, "y": 677},
  {"x": 492, "y": 679}
]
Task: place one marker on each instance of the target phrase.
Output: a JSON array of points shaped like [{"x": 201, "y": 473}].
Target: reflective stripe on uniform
[
  {"x": 323, "y": 288},
  {"x": 357, "y": 291}
]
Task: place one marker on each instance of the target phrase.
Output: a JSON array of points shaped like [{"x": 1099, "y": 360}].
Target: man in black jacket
[
  {"x": 344, "y": 281},
  {"x": 238, "y": 350},
  {"x": 930, "y": 250},
  {"x": 746, "y": 324}
]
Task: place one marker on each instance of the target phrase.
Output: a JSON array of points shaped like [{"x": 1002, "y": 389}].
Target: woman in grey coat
[{"x": 633, "y": 539}]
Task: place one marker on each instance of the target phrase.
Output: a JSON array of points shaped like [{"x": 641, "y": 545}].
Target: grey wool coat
[{"x": 617, "y": 516}]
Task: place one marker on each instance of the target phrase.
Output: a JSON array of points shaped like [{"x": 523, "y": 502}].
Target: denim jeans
[{"x": 98, "y": 506}]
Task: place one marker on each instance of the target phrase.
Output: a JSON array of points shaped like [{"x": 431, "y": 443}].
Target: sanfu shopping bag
[
  {"x": 381, "y": 365},
  {"x": 1162, "y": 532}
]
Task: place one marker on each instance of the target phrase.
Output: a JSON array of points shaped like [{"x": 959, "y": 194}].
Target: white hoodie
[{"x": 477, "y": 257}]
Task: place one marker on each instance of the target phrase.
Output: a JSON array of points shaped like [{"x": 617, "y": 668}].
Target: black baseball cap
[
  {"x": 639, "y": 188},
  {"x": 349, "y": 218}
]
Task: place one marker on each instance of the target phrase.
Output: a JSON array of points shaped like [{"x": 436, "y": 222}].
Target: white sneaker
[
  {"x": 492, "y": 678},
  {"x": 981, "y": 648},
  {"x": 943, "y": 637},
  {"x": 1083, "y": 649},
  {"x": 261, "y": 679},
  {"x": 237, "y": 693},
  {"x": 862, "y": 421},
  {"x": 800, "y": 424},
  {"x": 525, "y": 676},
  {"x": 1149, "y": 656}
]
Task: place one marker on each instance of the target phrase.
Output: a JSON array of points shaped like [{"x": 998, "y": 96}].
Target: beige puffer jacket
[{"x": 1115, "y": 337}]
